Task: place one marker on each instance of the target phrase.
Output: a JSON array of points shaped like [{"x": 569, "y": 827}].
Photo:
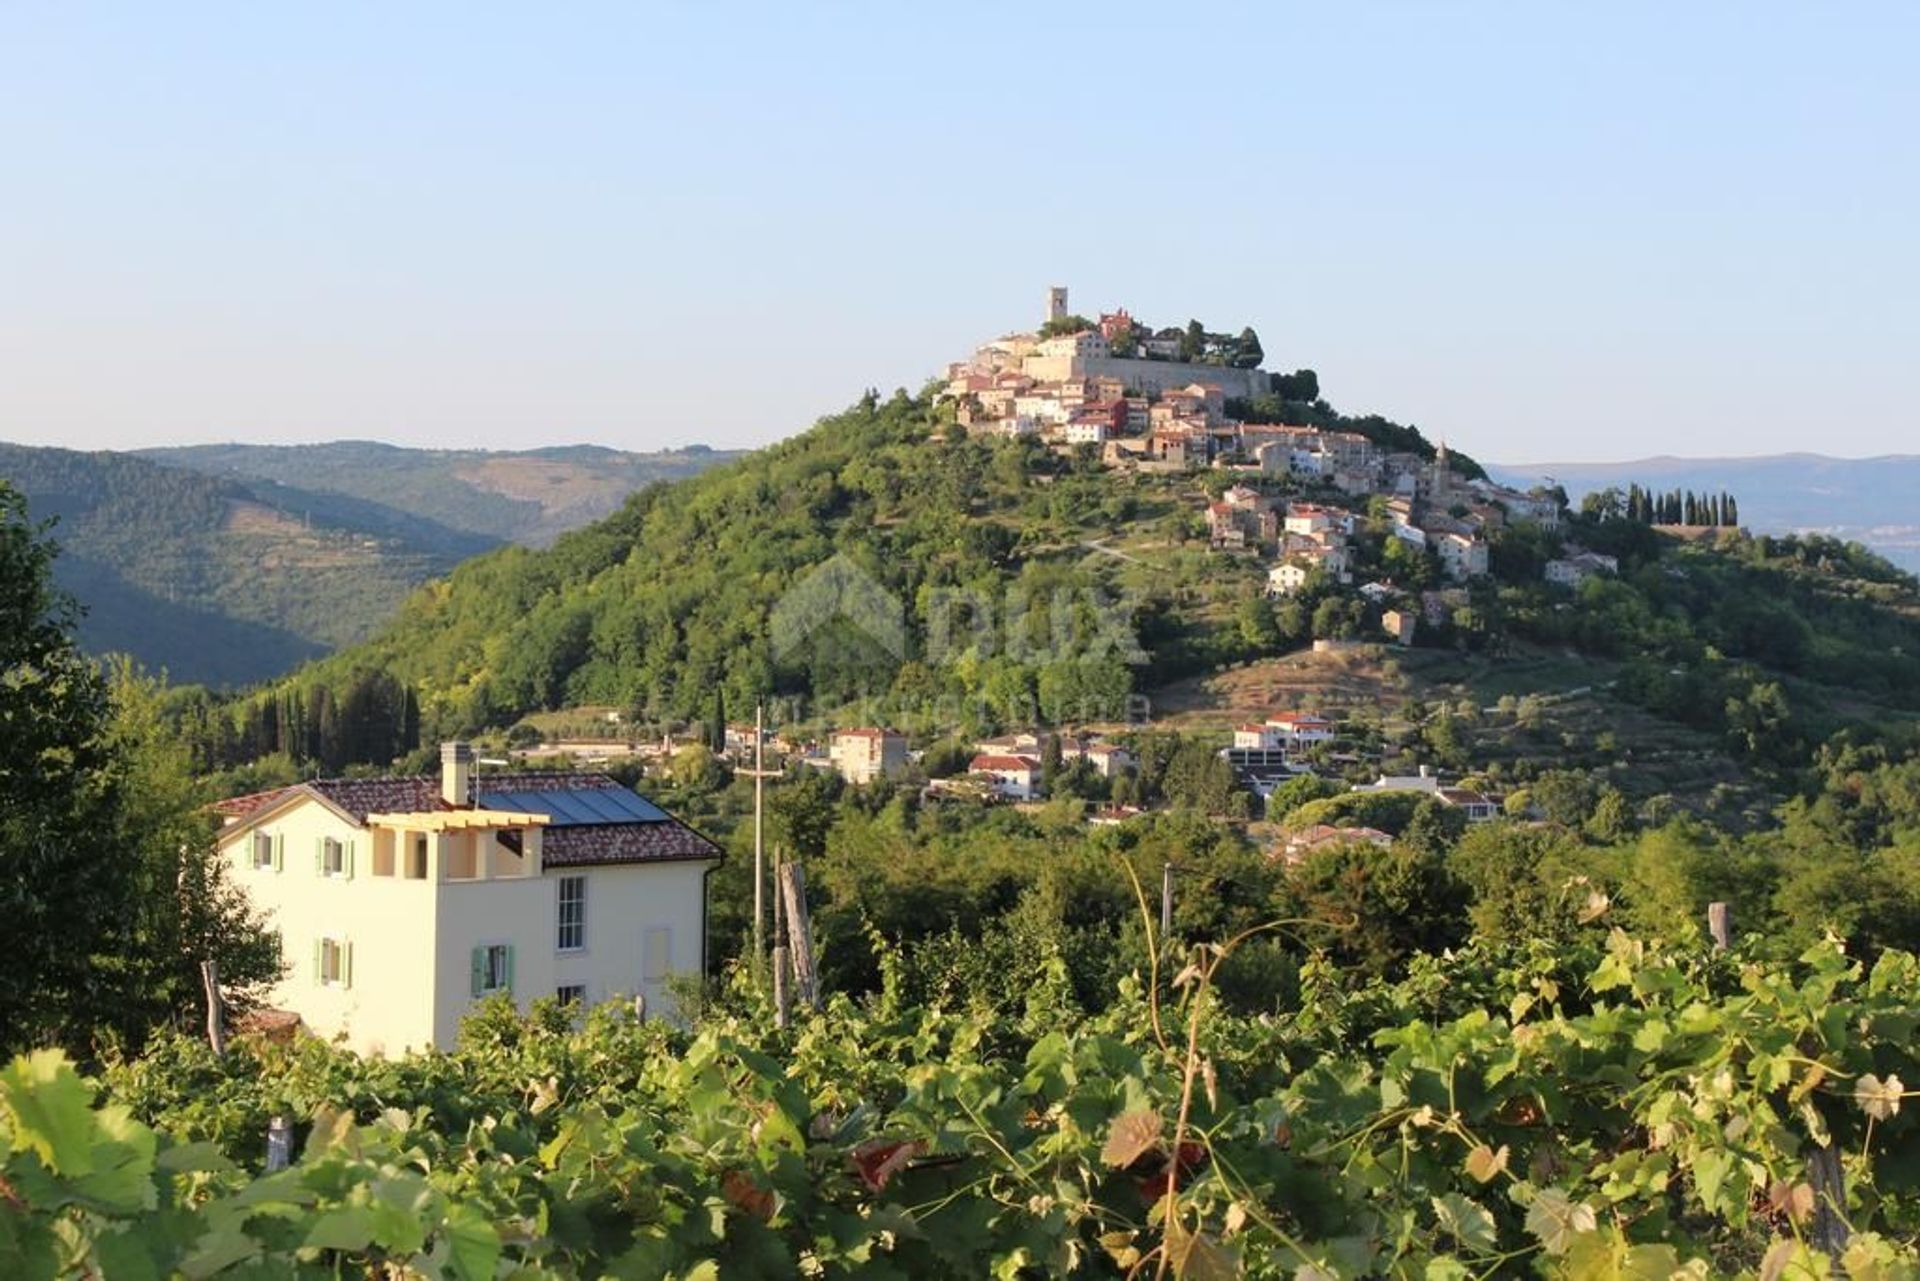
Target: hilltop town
[{"x": 1176, "y": 401}]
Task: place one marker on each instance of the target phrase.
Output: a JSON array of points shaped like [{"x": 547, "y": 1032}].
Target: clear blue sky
[{"x": 1543, "y": 231}]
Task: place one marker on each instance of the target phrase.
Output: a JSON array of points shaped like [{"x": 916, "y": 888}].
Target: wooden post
[
  {"x": 781, "y": 1013},
  {"x": 279, "y": 1143},
  {"x": 216, "y": 1008},
  {"x": 1720, "y": 925},
  {"x": 760, "y": 774},
  {"x": 793, "y": 885},
  {"x": 1166, "y": 904},
  {"x": 1829, "y": 1182}
]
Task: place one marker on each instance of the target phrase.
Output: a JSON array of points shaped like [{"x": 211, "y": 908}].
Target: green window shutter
[
  {"x": 346, "y": 967},
  {"x": 348, "y": 857},
  {"x": 509, "y": 969},
  {"x": 279, "y": 852},
  {"x": 319, "y": 856},
  {"x": 479, "y": 970},
  {"x": 318, "y": 960}
]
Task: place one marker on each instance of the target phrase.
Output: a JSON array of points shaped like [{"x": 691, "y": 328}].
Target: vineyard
[{"x": 1608, "y": 1109}]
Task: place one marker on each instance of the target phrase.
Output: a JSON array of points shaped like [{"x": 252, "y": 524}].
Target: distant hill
[
  {"x": 287, "y": 554},
  {"x": 529, "y": 497},
  {"x": 1875, "y": 501},
  {"x": 885, "y": 567}
]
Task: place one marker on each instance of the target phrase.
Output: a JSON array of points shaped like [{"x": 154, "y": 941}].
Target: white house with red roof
[
  {"x": 399, "y": 903},
  {"x": 1014, "y": 778},
  {"x": 1301, "y": 729}
]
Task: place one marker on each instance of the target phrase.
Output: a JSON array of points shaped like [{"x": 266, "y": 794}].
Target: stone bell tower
[{"x": 1056, "y": 303}]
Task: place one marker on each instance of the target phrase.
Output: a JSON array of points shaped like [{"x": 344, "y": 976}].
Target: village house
[
  {"x": 863, "y": 755},
  {"x": 1462, "y": 555},
  {"x": 1577, "y": 566},
  {"x": 1019, "y": 743},
  {"x": 1259, "y": 738},
  {"x": 1301, "y": 730},
  {"x": 1399, "y": 625},
  {"x": 399, "y": 903},
  {"x": 1477, "y": 807},
  {"x": 1309, "y": 840},
  {"x": 1013, "y": 778},
  {"x": 1105, "y": 759}
]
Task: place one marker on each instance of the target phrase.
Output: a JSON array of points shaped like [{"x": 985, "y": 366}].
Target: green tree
[{"x": 63, "y": 889}]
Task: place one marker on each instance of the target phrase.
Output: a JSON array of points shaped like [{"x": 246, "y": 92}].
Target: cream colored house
[
  {"x": 863, "y": 755},
  {"x": 401, "y": 902}
]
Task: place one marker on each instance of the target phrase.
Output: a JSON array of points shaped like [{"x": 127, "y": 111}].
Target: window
[
  {"x": 571, "y": 993},
  {"x": 656, "y": 957},
  {"x": 332, "y": 857},
  {"x": 573, "y": 914},
  {"x": 492, "y": 968},
  {"x": 263, "y": 852},
  {"x": 417, "y": 858},
  {"x": 333, "y": 963}
]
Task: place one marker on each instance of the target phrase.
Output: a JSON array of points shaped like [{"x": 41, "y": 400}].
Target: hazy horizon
[{"x": 1593, "y": 235}]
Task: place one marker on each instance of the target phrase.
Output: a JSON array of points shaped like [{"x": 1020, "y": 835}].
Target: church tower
[
  {"x": 1056, "y": 303},
  {"x": 1440, "y": 487}
]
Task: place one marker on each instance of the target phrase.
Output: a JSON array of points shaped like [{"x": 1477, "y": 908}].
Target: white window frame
[
  {"x": 336, "y": 963},
  {"x": 333, "y": 857},
  {"x": 262, "y": 843},
  {"x": 578, "y": 995},
  {"x": 561, "y": 922}
]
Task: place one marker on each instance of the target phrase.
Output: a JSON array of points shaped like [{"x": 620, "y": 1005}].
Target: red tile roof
[
  {"x": 578, "y": 845},
  {"x": 992, "y": 762}
]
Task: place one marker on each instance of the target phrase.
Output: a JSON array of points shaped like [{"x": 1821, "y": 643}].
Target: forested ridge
[{"x": 670, "y": 603}]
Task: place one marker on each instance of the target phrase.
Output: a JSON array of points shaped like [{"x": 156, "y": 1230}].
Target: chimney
[
  {"x": 1426, "y": 771},
  {"x": 456, "y": 774}
]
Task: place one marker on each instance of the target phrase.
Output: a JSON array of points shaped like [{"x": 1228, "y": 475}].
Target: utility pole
[{"x": 759, "y": 773}]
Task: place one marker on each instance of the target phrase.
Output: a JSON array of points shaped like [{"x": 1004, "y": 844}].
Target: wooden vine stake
[
  {"x": 793, "y": 888},
  {"x": 782, "y": 1013},
  {"x": 216, "y": 1007},
  {"x": 1720, "y": 925}
]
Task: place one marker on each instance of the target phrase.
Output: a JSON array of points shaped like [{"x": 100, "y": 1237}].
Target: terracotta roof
[
  {"x": 241, "y": 806},
  {"x": 992, "y": 762},
  {"x": 566, "y": 845},
  {"x": 657, "y": 842}
]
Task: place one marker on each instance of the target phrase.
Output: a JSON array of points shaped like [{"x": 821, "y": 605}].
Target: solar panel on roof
[{"x": 576, "y": 807}]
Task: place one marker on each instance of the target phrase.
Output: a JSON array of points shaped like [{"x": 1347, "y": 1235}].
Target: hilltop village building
[
  {"x": 399, "y": 903},
  {"x": 1149, "y": 411}
]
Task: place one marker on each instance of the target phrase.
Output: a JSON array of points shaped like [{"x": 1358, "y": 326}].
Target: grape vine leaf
[
  {"x": 52, "y": 1110},
  {"x": 1880, "y": 1099},
  {"x": 1483, "y": 1163},
  {"x": 1131, "y": 1135},
  {"x": 1556, "y": 1219},
  {"x": 473, "y": 1241},
  {"x": 1468, "y": 1222}
]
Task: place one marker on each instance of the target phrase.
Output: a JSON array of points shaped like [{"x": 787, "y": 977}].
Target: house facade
[
  {"x": 401, "y": 902},
  {"x": 1013, "y": 778},
  {"x": 863, "y": 755}
]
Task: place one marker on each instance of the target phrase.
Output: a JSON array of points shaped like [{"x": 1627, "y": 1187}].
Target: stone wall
[{"x": 1148, "y": 375}]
